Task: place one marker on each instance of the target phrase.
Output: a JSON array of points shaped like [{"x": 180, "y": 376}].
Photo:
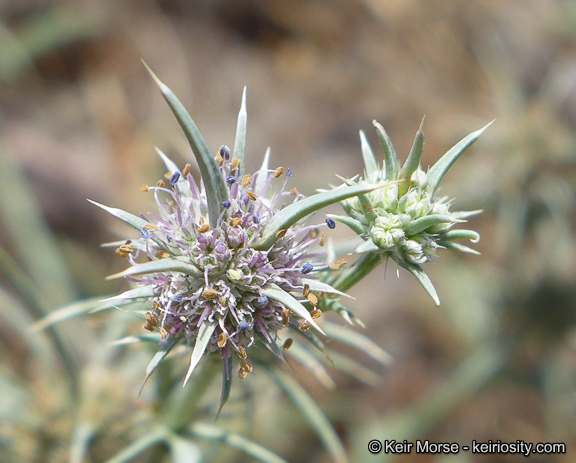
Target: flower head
[{"x": 406, "y": 220}]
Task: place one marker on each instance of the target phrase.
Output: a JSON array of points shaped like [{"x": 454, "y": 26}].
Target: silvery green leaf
[
  {"x": 419, "y": 225},
  {"x": 183, "y": 450},
  {"x": 263, "y": 172},
  {"x": 355, "y": 369},
  {"x": 458, "y": 247},
  {"x": 127, "y": 340},
  {"x": 370, "y": 163},
  {"x": 390, "y": 157},
  {"x": 202, "y": 340},
  {"x": 159, "y": 356},
  {"x": 312, "y": 412},
  {"x": 137, "y": 447},
  {"x": 182, "y": 184},
  {"x": 140, "y": 292},
  {"x": 311, "y": 362},
  {"x": 279, "y": 295},
  {"x": 312, "y": 339},
  {"x": 346, "y": 314},
  {"x": 353, "y": 224},
  {"x": 214, "y": 185},
  {"x": 438, "y": 170},
  {"x": 131, "y": 219},
  {"x": 300, "y": 209},
  {"x": 461, "y": 235},
  {"x": 160, "y": 265},
  {"x": 424, "y": 280},
  {"x": 358, "y": 341},
  {"x": 217, "y": 434},
  {"x": 414, "y": 157},
  {"x": 66, "y": 313},
  {"x": 466, "y": 214},
  {"x": 226, "y": 383},
  {"x": 366, "y": 246},
  {"x": 317, "y": 285},
  {"x": 240, "y": 140}
]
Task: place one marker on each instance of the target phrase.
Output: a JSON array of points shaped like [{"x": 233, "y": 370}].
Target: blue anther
[
  {"x": 175, "y": 177},
  {"x": 231, "y": 179},
  {"x": 331, "y": 224},
  {"x": 226, "y": 204},
  {"x": 225, "y": 152},
  {"x": 307, "y": 268},
  {"x": 144, "y": 233}
]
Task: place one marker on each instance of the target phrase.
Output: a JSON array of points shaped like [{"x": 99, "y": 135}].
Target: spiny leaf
[
  {"x": 182, "y": 184},
  {"x": 366, "y": 246},
  {"x": 216, "y": 192},
  {"x": 183, "y": 450},
  {"x": 66, "y": 313},
  {"x": 317, "y": 285},
  {"x": 132, "y": 220},
  {"x": 138, "y": 446},
  {"x": 279, "y": 295},
  {"x": 141, "y": 292},
  {"x": 311, "y": 362},
  {"x": 161, "y": 265},
  {"x": 240, "y": 140},
  {"x": 263, "y": 172},
  {"x": 461, "y": 235},
  {"x": 421, "y": 224},
  {"x": 353, "y": 224},
  {"x": 458, "y": 247},
  {"x": 370, "y": 163},
  {"x": 424, "y": 280},
  {"x": 414, "y": 157},
  {"x": 163, "y": 351},
  {"x": 226, "y": 383},
  {"x": 355, "y": 369},
  {"x": 438, "y": 170},
  {"x": 390, "y": 157},
  {"x": 202, "y": 340},
  {"x": 300, "y": 209}
]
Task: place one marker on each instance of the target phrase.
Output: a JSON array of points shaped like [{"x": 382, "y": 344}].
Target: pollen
[
  {"x": 235, "y": 221},
  {"x": 160, "y": 183},
  {"x": 252, "y": 196},
  {"x": 144, "y": 188},
  {"x": 203, "y": 228},
  {"x": 278, "y": 172},
  {"x": 247, "y": 180},
  {"x": 235, "y": 164},
  {"x": 222, "y": 340},
  {"x": 322, "y": 239},
  {"x": 304, "y": 326},
  {"x": 209, "y": 293},
  {"x": 312, "y": 299},
  {"x": 287, "y": 344},
  {"x": 186, "y": 170}
]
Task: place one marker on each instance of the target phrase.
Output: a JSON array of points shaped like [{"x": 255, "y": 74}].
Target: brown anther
[
  {"x": 219, "y": 158},
  {"x": 186, "y": 170},
  {"x": 168, "y": 175},
  {"x": 160, "y": 183},
  {"x": 155, "y": 305},
  {"x": 306, "y": 290},
  {"x": 294, "y": 191},
  {"x": 235, "y": 164},
  {"x": 342, "y": 262},
  {"x": 278, "y": 172},
  {"x": 241, "y": 352},
  {"x": 235, "y": 221},
  {"x": 246, "y": 366},
  {"x": 202, "y": 221},
  {"x": 209, "y": 293},
  {"x": 124, "y": 251},
  {"x": 246, "y": 180},
  {"x": 151, "y": 319},
  {"x": 163, "y": 332},
  {"x": 322, "y": 239},
  {"x": 287, "y": 344},
  {"x": 242, "y": 374},
  {"x": 280, "y": 233},
  {"x": 334, "y": 266},
  {"x": 252, "y": 196},
  {"x": 314, "y": 233},
  {"x": 316, "y": 313},
  {"x": 203, "y": 228},
  {"x": 312, "y": 298},
  {"x": 162, "y": 255},
  {"x": 285, "y": 316},
  {"x": 144, "y": 188},
  {"x": 222, "y": 340},
  {"x": 305, "y": 325},
  {"x": 320, "y": 294},
  {"x": 222, "y": 301},
  {"x": 151, "y": 227}
]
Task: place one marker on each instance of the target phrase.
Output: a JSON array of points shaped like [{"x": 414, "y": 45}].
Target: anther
[
  {"x": 316, "y": 313},
  {"x": 235, "y": 164},
  {"x": 247, "y": 180},
  {"x": 312, "y": 298},
  {"x": 330, "y": 222},
  {"x": 160, "y": 183},
  {"x": 285, "y": 316},
  {"x": 186, "y": 170},
  {"x": 322, "y": 239},
  {"x": 252, "y": 196},
  {"x": 235, "y": 221},
  {"x": 304, "y": 326},
  {"x": 203, "y": 228},
  {"x": 278, "y": 172},
  {"x": 306, "y": 290},
  {"x": 256, "y": 218},
  {"x": 226, "y": 204},
  {"x": 224, "y": 151},
  {"x": 307, "y": 268},
  {"x": 124, "y": 250},
  {"x": 144, "y": 233},
  {"x": 163, "y": 332},
  {"x": 289, "y": 172},
  {"x": 241, "y": 352},
  {"x": 294, "y": 191},
  {"x": 144, "y": 188},
  {"x": 222, "y": 340},
  {"x": 246, "y": 366},
  {"x": 287, "y": 344},
  {"x": 242, "y": 373},
  {"x": 231, "y": 179},
  {"x": 209, "y": 293},
  {"x": 175, "y": 177}
]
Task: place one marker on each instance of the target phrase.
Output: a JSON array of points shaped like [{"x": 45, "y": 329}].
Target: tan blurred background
[{"x": 81, "y": 116}]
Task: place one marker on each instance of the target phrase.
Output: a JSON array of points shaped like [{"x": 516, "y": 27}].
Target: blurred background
[{"x": 80, "y": 116}]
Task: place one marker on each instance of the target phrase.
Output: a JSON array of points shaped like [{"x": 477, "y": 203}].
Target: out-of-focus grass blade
[
  {"x": 66, "y": 313},
  {"x": 149, "y": 439},
  {"x": 131, "y": 219},
  {"x": 438, "y": 170},
  {"x": 37, "y": 250},
  {"x": 202, "y": 340},
  {"x": 279, "y": 295},
  {"x": 183, "y": 450},
  {"x": 354, "y": 368},
  {"x": 300, "y": 209},
  {"x": 312, "y": 412},
  {"x": 160, "y": 265},
  {"x": 216, "y": 192},
  {"x": 357, "y": 340},
  {"x": 217, "y": 434},
  {"x": 240, "y": 140},
  {"x": 311, "y": 362},
  {"x": 81, "y": 437}
]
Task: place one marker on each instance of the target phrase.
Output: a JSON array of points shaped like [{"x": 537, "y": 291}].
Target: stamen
[
  {"x": 209, "y": 293},
  {"x": 330, "y": 222},
  {"x": 246, "y": 366},
  {"x": 304, "y": 326},
  {"x": 144, "y": 188},
  {"x": 294, "y": 191},
  {"x": 247, "y": 180},
  {"x": 316, "y": 313},
  {"x": 235, "y": 221},
  {"x": 186, "y": 170},
  {"x": 312, "y": 298},
  {"x": 162, "y": 254},
  {"x": 144, "y": 233},
  {"x": 231, "y": 179},
  {"x": 306, "y": 290},
  {"x": 289, "y": 172},
  {"x": 241, "y": 352},
  {"x": 222, "y": 340},
  {"x": 124, "y": 250},
  {"x": 224, "y": 151},
  {"x": 235, "y": 164},
  {"x": 278, "y": 172},
  {"x": 175, "y": 177},
  {"x": 203, "y": 228},
  {"x": 226, "y": 204},
  {"x": 287, "y": 344},
  {"x": 252, "y": 196},
  {"x": 285, "y": 316},
  {"x": 307, "y": 268},
  {"x": 256, "y": 218},
  {"x": 322, "y": 239},
  {"x": 160, "y": 183},
  {"x": 242, "y": 374}
]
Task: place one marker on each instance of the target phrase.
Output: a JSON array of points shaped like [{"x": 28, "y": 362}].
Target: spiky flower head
[
  {"x": 406, "y": 220},
  {"x": 227, "y": 263}
]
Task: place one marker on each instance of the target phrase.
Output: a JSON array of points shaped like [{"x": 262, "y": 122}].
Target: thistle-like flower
[
  {"x": 405, "y": 220},
  {"x": 228, "y": 262}
]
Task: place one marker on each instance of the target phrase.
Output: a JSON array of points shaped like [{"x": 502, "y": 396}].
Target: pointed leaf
[
  {"x": 317, "y": 285},
  {"x": 66, "y": 313},
  {"x": 358, "y": 341},
  {"x": 312, "y": 412},
  {"x": 390, "y": 157},
  {"x": 161, "y": 265},
  {"x": 353, "y": 224},
  {"x": 458, "y": 247},
  {"x": 141, "y": 292},
  {"x": 299, "y": 209},
  {"x": 439, "y": 169},
  {"x": 226, "y": 383},
  {"x": 370, "y": 163},
  {"x": 353, "y": 368},
  {"x": 202, "y": 340},
  {"x": 366, "y": 246},
  {"x": 346, "y": 314},
  {"x": 131, "y": 219},
  {"x": 240, "y": 140},
  {"x": 162, "y": 352},
  {"x": 413, "y": 160},
  {"x": 279, "y": 295},
  {"x": 127, "y": 340},
  {"x": 182, "y": 184},
  {"x": 309, "y": 361},
  {"x": 217, "y": 434},
  {"x": 421, "y": 224},
  {"x": 263, "y": 172},
  {"x": 461, "y": 235},
  {"x": 216, "y": 192},
  {"x": 424, "y": 280}
]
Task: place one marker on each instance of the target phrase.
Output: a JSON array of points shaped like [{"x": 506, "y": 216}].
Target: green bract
[{"x": 404, "y": 220}]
